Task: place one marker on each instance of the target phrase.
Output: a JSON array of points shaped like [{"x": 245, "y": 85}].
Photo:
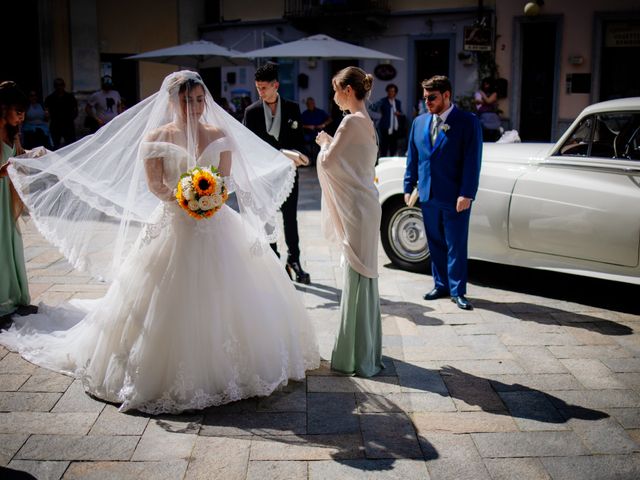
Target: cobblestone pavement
[{"x": 526, "y": 386}]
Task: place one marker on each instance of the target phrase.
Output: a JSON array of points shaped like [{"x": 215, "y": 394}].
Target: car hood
[{"x": 516, "y": 152}]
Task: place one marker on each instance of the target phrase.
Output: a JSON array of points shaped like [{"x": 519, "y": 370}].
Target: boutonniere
[
  {"x": 294, "y": 124},
  {"x": 445, "y": 127}
]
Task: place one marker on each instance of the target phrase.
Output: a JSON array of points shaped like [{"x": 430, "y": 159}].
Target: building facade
[{"x": 553, "y": 60}]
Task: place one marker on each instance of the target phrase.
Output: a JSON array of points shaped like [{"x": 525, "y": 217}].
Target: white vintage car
[{"x": 571, "y": 207}]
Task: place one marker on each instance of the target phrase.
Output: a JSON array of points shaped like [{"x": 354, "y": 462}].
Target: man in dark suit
[
  {"x": 391, "y": 121},
  {"x": 278, "y": 122},
  {"x": 445, "y": 150}
]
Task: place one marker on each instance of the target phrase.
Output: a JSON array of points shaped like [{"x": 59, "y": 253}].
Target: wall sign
[
  {"x": 477, "y": 39},
  {"x": 385, "y": 72}
]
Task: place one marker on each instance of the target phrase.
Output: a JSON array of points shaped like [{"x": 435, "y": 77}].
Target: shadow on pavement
[
  {"x": 415, "y": 312},
  {"x": 364, "y": 429},
  {"x": 605, "y": 294},
  {"x": 554, "y": 316}
]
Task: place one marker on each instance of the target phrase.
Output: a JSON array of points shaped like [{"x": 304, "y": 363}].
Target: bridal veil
[{"x": 91, "y": 198}]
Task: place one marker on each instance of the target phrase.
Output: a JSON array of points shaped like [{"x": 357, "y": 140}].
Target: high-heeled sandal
[{"x": 301, "y": 275}]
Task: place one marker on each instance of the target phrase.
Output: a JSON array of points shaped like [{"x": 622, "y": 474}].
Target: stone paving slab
[
  {"x": 516, "y": 469},
  {"x": 282, "y": 470},
  {"x": 11, "y": 382},
  {"x": 10, "y": 443},
  {"x": 77, "y": 447},
  {"x": 112, "y": 422},
  {"x": 27, "y": 401},
  {"x": 528, "y": 444},
  {"x": 368, "y": 470},
  {"x": 46, "y": 381},
  {"x": 452, "y": 457},
  {"x": 618, "y": 467},
  {"x": 70, "y": 423},
  {"x": 40, "y": 470},
  {"x": 463, "y": 422},
  {"x": 307, "y": 447},
  {"x": 173, "y": 470},
  {"x": 219, "y": 457}
]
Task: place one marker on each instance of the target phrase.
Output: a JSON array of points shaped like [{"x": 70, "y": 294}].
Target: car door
[{"x": 583, "y": 201}]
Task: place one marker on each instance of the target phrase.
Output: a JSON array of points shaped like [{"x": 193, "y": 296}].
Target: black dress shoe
[
  {"x": 462, "y": 302},
  {"x": 434, "y": 294},
  {"x": 301, "y": 275},
  {"x": 24, "y": 310}
]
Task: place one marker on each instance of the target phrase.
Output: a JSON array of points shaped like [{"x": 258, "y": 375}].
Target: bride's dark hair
[
  {"x": 190, "y": 85},
  {"x": 184, "y": 83}
]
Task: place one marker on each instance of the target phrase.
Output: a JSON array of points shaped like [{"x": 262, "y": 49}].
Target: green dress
[{"x": 14, "y": 290}]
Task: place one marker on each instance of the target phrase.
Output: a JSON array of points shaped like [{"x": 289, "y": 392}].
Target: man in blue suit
[{"x": 443, "y": 159}]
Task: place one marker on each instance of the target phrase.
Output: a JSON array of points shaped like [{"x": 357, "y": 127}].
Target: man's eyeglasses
[{"x": 431, "y": 98}]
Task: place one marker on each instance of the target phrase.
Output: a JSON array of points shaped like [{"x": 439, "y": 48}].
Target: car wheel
[{"x": 403, "y": 236}]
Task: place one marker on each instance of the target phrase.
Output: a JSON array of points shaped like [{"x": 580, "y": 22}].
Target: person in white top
[{"x": 104, "y": 105}]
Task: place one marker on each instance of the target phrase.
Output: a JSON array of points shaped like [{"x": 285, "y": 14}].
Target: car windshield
[{"x": 614, "y": 135}]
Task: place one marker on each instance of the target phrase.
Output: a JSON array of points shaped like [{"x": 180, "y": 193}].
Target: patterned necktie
[{"x": 435, "y": 128}]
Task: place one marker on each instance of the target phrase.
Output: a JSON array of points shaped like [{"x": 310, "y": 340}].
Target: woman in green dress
[
  {"x": 14, "y": 291},
  {"x": 351, "y": 215}
]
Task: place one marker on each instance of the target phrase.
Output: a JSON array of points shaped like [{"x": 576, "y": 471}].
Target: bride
[{"x": 199, "y": 312}]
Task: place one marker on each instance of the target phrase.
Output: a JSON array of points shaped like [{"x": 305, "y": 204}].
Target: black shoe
[
  {"x": 434, "y": 294},
  {"x": 23, "y": 310},
  {"x": 462, "y": 302},
  {"x": 301, "y": 275}
]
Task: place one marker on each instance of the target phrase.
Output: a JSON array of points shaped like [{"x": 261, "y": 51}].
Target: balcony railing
[{"x": 328, "y": 8}]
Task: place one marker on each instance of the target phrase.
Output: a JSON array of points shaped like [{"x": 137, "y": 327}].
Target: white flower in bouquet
[
  {"x": 206, "y": 202},
  {"x": 188, "y": 194},
  {"x": 193, "y": 205}
]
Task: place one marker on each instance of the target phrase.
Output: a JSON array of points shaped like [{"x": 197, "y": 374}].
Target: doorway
[
  {"x": 21, "y": 47},
  {"x": 539, "y": 46},
  {"x": 432, "y": 58},
  {"x": 620, "y": 70}
]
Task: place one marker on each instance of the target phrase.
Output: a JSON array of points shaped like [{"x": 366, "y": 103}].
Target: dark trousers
[
  {"x": 389, "y": 143},
  {"x": 447, "y": 235},
  {"x": 68, "y": 132},
  {"x": 289, "y": 211}
]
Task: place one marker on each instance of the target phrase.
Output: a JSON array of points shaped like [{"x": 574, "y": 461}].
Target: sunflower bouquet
[{"x": 201, "y": 192}]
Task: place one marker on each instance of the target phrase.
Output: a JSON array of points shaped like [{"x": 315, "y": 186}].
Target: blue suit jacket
[{"x": 449, "y": 169}]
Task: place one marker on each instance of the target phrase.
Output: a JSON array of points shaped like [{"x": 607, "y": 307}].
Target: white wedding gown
[{"x": 194, "y": 318}]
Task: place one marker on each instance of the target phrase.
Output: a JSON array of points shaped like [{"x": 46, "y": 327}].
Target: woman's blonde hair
[{"x": 358, "y": 79}]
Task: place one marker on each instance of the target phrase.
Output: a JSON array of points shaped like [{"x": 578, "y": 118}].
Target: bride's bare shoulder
[
  {"x": 212, "y": 133},
  {"x": 162, "y": 133}
]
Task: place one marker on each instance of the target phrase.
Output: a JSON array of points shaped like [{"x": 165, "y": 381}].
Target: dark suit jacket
[
  {"x": 291, "y": 135},
  {"x": 385, "y": 110},
  {"x": 452, "y": 167}
]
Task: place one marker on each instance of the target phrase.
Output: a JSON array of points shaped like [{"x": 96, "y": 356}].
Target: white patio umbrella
[
  {"x": 318, "y": 46},
  {"x": 198, "y": 54}
]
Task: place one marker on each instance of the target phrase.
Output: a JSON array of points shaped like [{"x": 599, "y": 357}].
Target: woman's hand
[
  {"x": 4, "y": 170},
  {"x": 323, "y": 139}
]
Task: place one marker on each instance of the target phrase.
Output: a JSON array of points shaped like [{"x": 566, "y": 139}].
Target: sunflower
[{"x": 203, "y": 183}]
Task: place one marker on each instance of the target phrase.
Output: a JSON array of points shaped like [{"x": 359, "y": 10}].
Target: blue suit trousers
[{"x": 447, "y": 236}]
